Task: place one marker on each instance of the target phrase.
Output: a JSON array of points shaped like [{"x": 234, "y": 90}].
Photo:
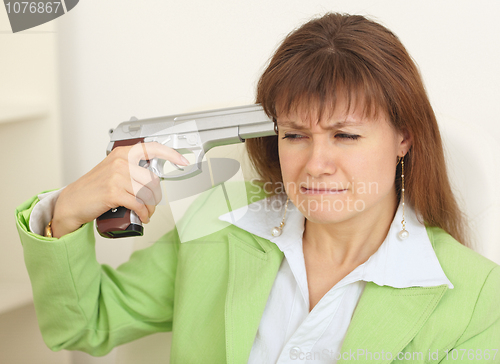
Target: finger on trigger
[{"x": 164, "y": 152}]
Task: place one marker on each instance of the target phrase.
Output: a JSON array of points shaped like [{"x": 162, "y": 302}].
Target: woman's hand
[{"x": 117, "y": 181}]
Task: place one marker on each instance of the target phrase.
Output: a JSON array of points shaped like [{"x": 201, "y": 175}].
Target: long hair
[{"x": 349, "y": 56}]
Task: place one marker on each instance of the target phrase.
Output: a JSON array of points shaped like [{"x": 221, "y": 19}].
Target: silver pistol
[{"x": 195, "y": 133}]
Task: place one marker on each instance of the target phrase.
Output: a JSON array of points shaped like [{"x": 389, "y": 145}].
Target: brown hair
[{"x": 366, "y": 62}]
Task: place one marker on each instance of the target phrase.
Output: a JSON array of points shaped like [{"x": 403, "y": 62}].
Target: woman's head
[
  {"x": 351, "y": 155},
  {"x": 338, "y": 66}
]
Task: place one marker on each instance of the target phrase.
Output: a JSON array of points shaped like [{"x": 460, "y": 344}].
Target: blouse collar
[{"x": 397, "y": 263}]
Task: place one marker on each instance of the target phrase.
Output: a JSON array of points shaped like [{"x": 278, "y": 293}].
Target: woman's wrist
[
  {"x": 61, "y": 227},
  {"x": 62, "y": 221}
]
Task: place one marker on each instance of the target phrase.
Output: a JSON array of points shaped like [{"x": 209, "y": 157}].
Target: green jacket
[{"x": 211, "y": 292}]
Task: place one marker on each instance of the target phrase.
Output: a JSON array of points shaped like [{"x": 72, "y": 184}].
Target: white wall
[
  {"x": 123, "y": 58},
  {"x": 31, "y": 162}
]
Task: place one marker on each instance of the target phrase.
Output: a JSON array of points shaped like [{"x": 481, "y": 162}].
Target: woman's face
[{"x": 341, "y": 167}]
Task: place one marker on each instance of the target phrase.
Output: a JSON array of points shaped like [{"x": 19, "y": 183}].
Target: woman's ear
[{"x": 405, "y": 140}]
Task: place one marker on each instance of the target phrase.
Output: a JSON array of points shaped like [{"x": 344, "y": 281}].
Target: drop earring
[
  {"x": 278, "y": 229},
  {"x": 403, "y": 234}
]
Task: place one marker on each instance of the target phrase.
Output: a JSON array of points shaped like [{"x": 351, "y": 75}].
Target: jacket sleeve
[
  {"x": 83, "y": 305},
  {"x": 481, "y": 339}
]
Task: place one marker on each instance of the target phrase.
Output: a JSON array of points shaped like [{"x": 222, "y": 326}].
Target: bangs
[{"x": 315, "y": 83}]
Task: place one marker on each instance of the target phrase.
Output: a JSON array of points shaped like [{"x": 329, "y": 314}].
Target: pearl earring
[
  {"x": 403, "y": 234},
  {"x": 278, "y": 229}
]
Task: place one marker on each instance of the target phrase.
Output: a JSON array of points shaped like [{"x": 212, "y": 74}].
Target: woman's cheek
[{"x": 368, "y": 181}]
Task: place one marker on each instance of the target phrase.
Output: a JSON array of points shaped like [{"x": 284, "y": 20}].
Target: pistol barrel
[{"x": 251, "y": 121}]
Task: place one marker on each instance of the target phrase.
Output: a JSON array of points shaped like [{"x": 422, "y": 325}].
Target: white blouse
[{"x": 288, "y": 332}]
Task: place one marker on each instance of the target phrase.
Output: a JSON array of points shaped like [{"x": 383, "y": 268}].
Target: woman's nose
[{"x": 321, "y": 160}]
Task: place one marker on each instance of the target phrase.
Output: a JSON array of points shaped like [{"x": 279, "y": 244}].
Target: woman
[{"x": 362, "y": 261}]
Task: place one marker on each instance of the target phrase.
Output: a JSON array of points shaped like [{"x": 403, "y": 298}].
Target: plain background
[{"x": 106, "y": 61}]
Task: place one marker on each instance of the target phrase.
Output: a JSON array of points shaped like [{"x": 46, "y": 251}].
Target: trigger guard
[
  {"x": 156, "y": 166},
  {"x": 176, "y": 166}
]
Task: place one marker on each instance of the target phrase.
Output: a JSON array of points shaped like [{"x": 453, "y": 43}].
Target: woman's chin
[{"x": 329, "y": 210}]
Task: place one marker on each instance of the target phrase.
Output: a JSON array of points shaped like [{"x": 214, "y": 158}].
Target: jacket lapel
[
  {"x": 387, "y": 319},
  {"x": 253, "y": 265}
]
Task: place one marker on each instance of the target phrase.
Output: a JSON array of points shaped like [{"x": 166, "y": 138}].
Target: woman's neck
[{"x": 351, "y": 242}]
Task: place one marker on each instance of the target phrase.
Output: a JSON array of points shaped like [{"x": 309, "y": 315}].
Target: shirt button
[{"x": 295, "y": 350}]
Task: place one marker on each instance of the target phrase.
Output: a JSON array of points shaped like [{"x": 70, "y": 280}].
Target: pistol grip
[{"x": 119, "y": 223}]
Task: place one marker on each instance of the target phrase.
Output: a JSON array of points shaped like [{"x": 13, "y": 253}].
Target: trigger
[{"x": 176, "y": 166}]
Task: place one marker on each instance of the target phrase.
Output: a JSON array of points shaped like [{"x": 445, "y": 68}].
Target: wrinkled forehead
[{"x": 308, "y": 110}]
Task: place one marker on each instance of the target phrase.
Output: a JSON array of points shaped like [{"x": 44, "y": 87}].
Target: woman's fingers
[
  {"x": 148, "y": 151},
  {"x": 145, "y": 196},
  {"x": 117, "y": 181},
  {"x": 135, "y": 204},
  {"x": 146, "y": 183},
  {"x": 136, "y": 197}
]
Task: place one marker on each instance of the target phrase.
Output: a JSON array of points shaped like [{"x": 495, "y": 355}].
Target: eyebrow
[{"x": 337, "y": 125}]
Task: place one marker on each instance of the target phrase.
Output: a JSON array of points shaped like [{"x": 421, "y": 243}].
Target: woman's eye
[
  {"x": 347, "y": 136},
  {"x": 292, "y": 136}
]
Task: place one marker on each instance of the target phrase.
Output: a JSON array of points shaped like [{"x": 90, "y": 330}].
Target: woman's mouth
[{"x": 320, "y": 191}]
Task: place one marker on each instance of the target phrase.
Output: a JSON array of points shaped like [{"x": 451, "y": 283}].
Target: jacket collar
[
  {"x": 397, "y": 263},
  {"x": 386, "y": 318}
]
